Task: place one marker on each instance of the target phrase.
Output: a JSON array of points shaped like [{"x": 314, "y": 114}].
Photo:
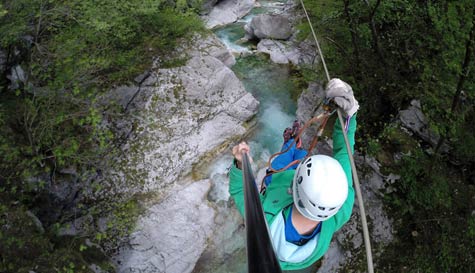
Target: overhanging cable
[{"x": 364, "y": 223}]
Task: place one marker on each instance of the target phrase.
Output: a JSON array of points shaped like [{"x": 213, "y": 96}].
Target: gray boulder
[
  {"x": 172, "y": 234},
  {"x": 228, "y": 11},
  {"x": 275, "y": 49},
  {"x": 265, "y": 26},
  {"x": 283, "y": 52}
]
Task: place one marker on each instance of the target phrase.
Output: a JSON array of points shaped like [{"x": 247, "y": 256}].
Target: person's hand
[
  {"x": 342, "y": 95},
  {"x": 238, "y": 150}
]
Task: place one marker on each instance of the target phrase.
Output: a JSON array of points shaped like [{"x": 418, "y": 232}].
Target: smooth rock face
[
  {"x": 172, "y": 234},
  {"x": 228, "y": 11},
  {"x": 179, "y": 115},
  {"x": 265, "y": 26}
]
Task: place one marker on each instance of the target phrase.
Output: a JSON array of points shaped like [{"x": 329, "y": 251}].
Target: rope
[{"x": 369, "y": 256}]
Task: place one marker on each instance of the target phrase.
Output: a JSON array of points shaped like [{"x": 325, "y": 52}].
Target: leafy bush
[
  {"x": 53, "y": 118},
  {"x": 392, "y": 52}
]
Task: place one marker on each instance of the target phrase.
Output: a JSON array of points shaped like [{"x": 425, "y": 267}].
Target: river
[{"x": 276, "y": 87}]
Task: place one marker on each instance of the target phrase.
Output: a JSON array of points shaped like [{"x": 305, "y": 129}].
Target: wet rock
[
  {"x": 172, "y": 234},
  {"x": 266, "y": 26},
  {"x": 228, "y": 11}
]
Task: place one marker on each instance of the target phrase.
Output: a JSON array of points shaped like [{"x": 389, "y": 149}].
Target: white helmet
[{"x": 320, "y": 187}]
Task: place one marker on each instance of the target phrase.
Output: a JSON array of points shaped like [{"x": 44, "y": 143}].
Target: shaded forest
[{"x": 393, "y": 52}]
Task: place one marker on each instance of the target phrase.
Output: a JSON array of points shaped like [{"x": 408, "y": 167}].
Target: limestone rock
[
  {"x": 172, "y": 234},
  {"x": 212, "y": 46},
  {"x": 283, "y": 52},
  {"x": 228, "y": 11},
  {"x": 275, "y": 49},
  {"x": 228, "y": 240},
  {"x": 266, "y": 26},
  {"x": 179, "y": 115}
]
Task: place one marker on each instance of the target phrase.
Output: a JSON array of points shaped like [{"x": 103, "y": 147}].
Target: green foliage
[
  {"x": 71, "y": 51},
  {"x": 25, "y": 247},
  {"x": 120, "y": 224},
  {"x": 392, "y": 52},
  {"x": 56, "y": 118},
  {"x": 433, "y": 206}
]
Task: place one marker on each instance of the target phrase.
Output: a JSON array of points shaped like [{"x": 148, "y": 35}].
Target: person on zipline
[{"x": 302, "y": 220}]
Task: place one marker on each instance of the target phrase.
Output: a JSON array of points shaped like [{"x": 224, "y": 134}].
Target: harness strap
[{"x": 323, "y": 118}]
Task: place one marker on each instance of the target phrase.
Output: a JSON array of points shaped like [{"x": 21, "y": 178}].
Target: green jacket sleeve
[
  {"x": 236, "y": 188},
  {"x": 341, "y": 155}
]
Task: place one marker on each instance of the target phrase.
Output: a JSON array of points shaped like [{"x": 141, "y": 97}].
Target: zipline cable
[{"x": 364, "y": 223}]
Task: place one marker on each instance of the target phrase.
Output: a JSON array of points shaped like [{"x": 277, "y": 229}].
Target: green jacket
[{"x": 278, "y": 196}]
